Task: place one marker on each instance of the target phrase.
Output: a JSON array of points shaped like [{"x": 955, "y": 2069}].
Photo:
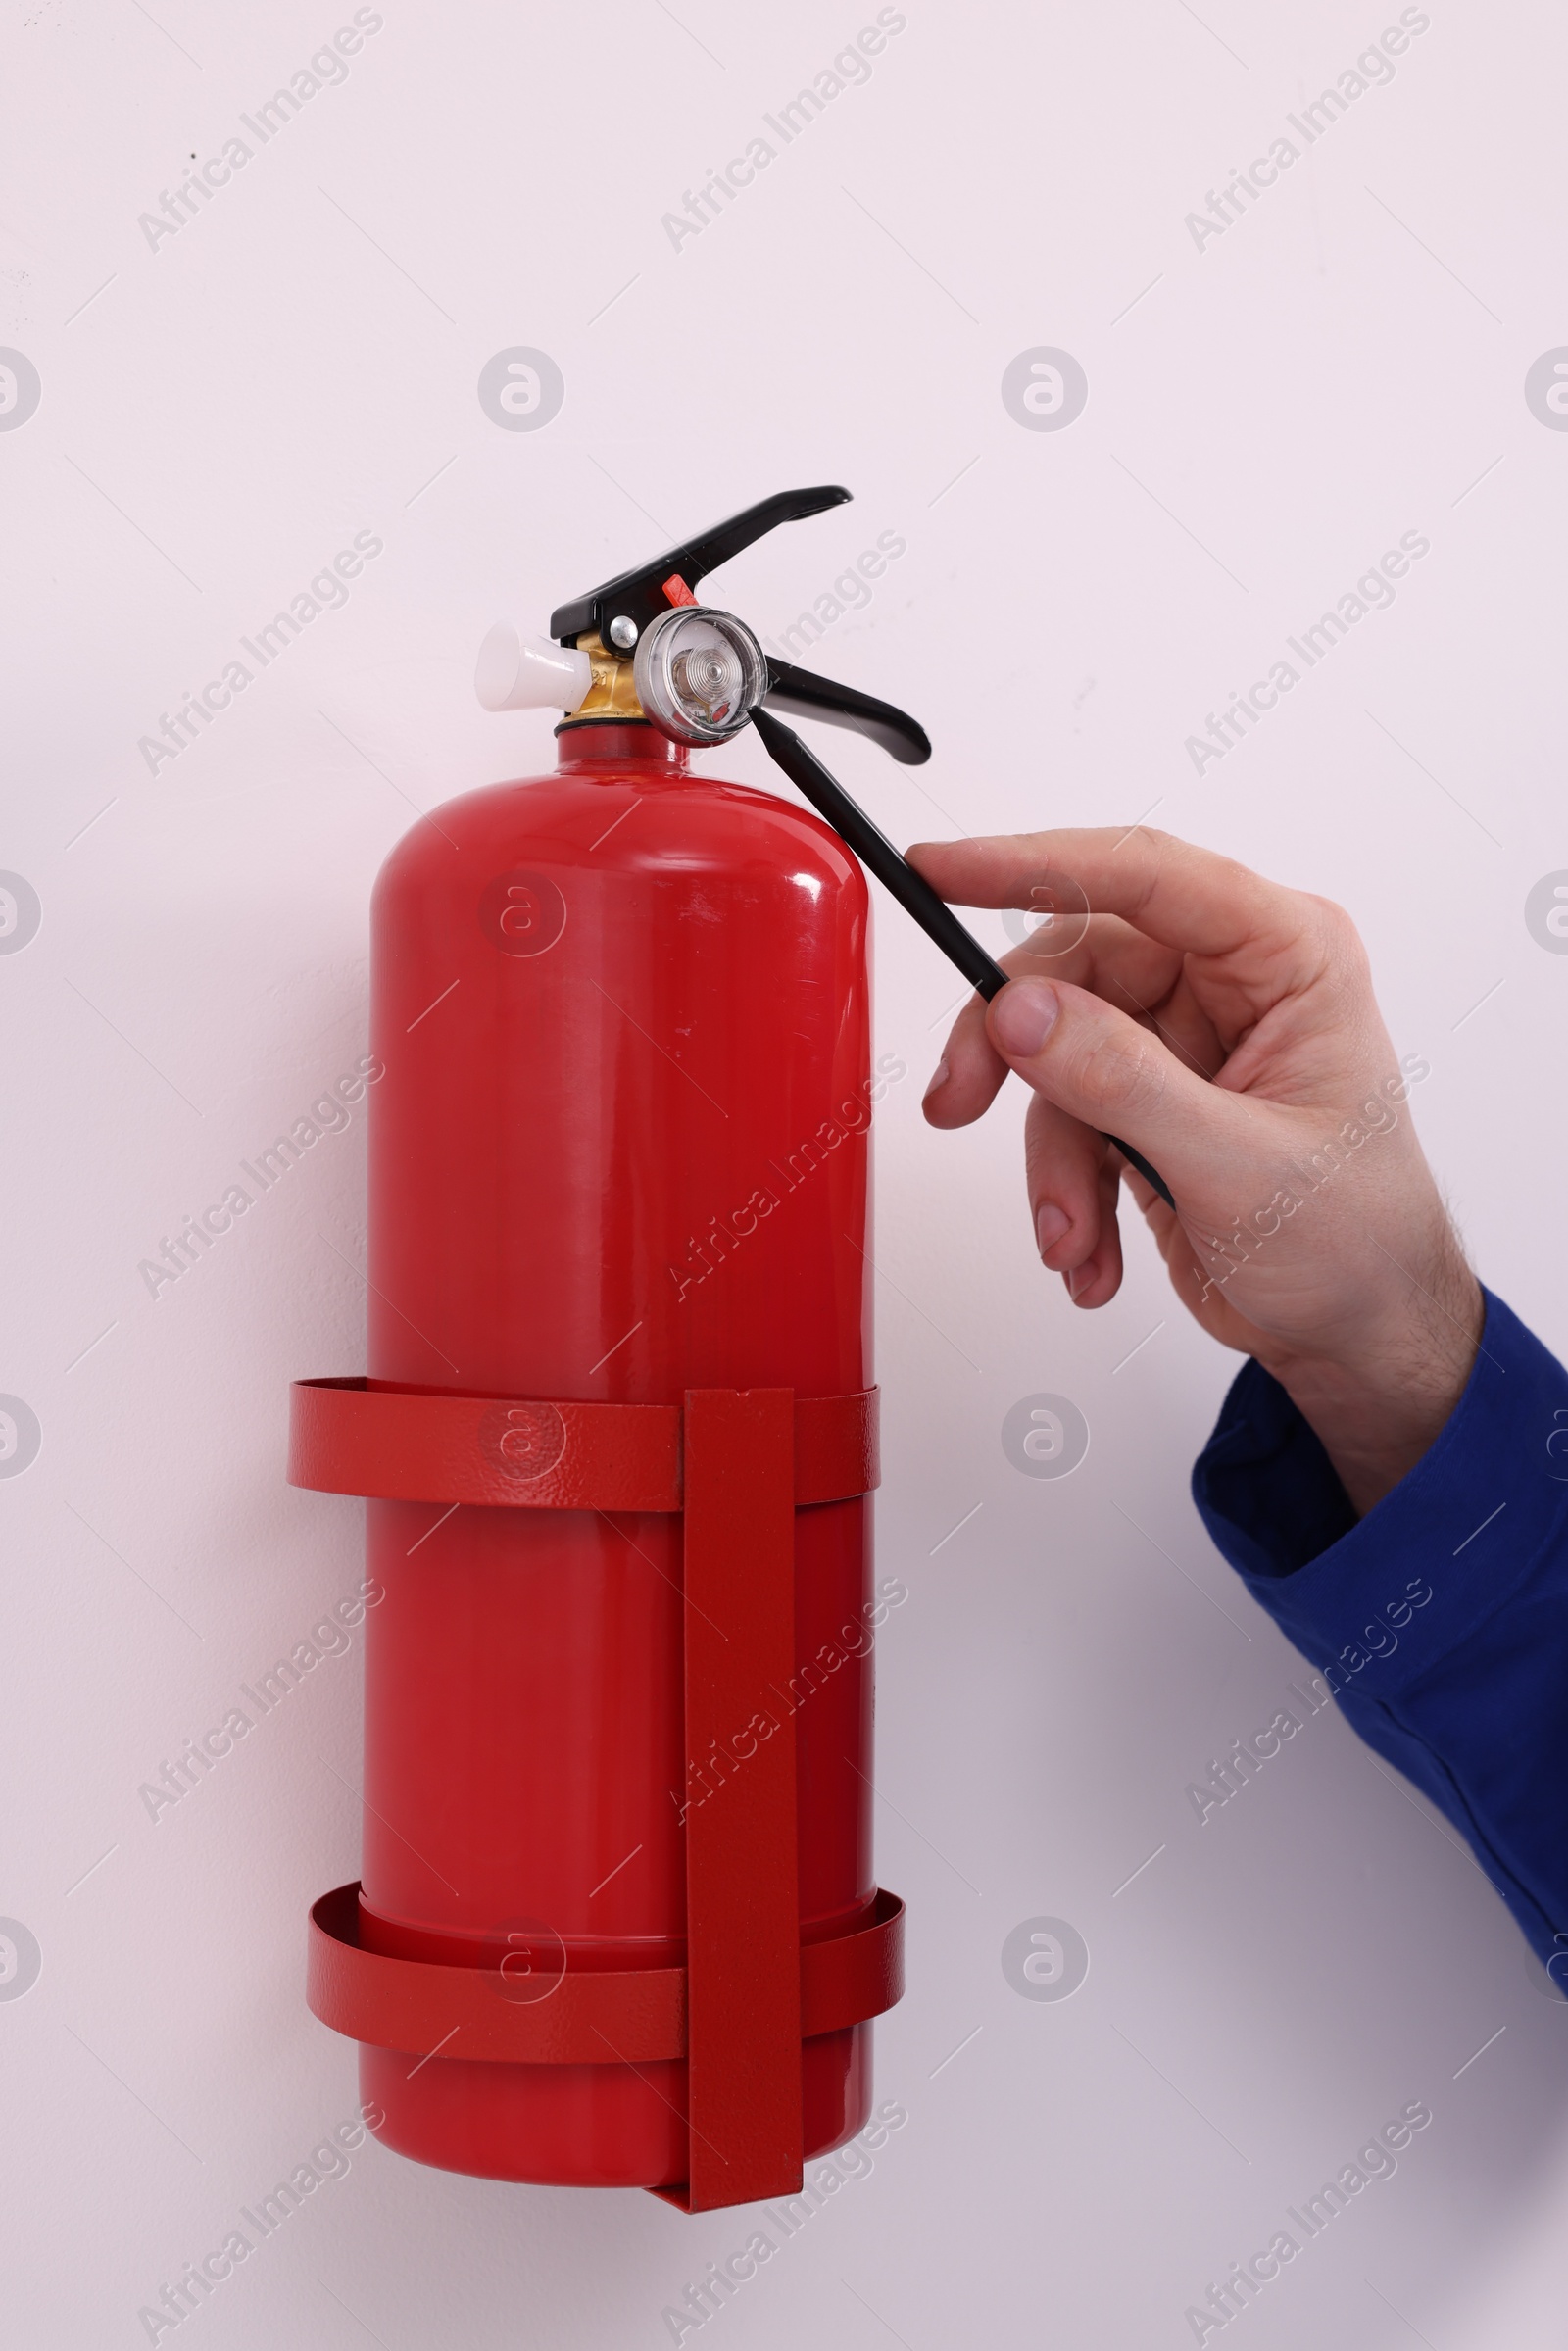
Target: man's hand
[{"x": 1226, "y": 1028}]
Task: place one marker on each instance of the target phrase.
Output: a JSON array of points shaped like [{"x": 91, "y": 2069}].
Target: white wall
[{"x": 218, "y": 417}]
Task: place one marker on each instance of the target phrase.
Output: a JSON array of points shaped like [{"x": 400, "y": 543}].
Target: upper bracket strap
[{"x": 418, "y": 1445}]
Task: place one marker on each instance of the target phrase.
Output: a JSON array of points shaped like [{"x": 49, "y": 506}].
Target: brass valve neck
[{"x": 613, "y": 694}]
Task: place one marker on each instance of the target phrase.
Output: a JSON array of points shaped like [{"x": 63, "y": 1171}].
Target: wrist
[{"x": 1380, "y": 1401}]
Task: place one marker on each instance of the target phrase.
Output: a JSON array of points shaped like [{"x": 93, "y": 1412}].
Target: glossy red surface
[{"x": 619, "y": 1149}]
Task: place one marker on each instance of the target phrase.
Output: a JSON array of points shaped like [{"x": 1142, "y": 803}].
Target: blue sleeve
[{"x": 1440, "y": 1621}]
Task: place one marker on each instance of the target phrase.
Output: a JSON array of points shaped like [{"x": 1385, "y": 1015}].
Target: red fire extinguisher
[{"x": 618, "y": 1924}]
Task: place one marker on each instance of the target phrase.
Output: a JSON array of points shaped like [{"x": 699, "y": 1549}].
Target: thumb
[{"x": 1105, "y": 1069}]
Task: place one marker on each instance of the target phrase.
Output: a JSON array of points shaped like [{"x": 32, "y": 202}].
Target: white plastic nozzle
[{"x": 516, "y": 672}]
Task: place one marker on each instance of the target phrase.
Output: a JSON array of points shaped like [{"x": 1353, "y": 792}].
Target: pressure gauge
[{"x": 699, "y": 674}]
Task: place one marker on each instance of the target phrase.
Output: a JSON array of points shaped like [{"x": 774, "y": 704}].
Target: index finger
[{"x": 1186, "y": 898}]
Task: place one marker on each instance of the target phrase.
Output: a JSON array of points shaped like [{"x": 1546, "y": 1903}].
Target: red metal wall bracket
[{"x": 739, "y": 1464}]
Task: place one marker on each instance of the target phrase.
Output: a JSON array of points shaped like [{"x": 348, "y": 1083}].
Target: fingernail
[
  {"x": 1023, "y": 1017},
  {"x": 1079, "y": 1279},
  {"x": 1050, "y": 1222},
  {"x": 939, "y": 1078}
]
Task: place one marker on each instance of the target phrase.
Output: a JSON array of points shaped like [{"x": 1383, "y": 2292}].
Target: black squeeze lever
[
  {"x": 639, "y": 596},
  {"x": 912, "y": 890}
]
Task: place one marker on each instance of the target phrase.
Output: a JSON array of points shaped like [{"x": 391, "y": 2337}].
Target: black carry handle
[
  {"x": 913, "y": 891},
  {"x": 807, "y": 696}
]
